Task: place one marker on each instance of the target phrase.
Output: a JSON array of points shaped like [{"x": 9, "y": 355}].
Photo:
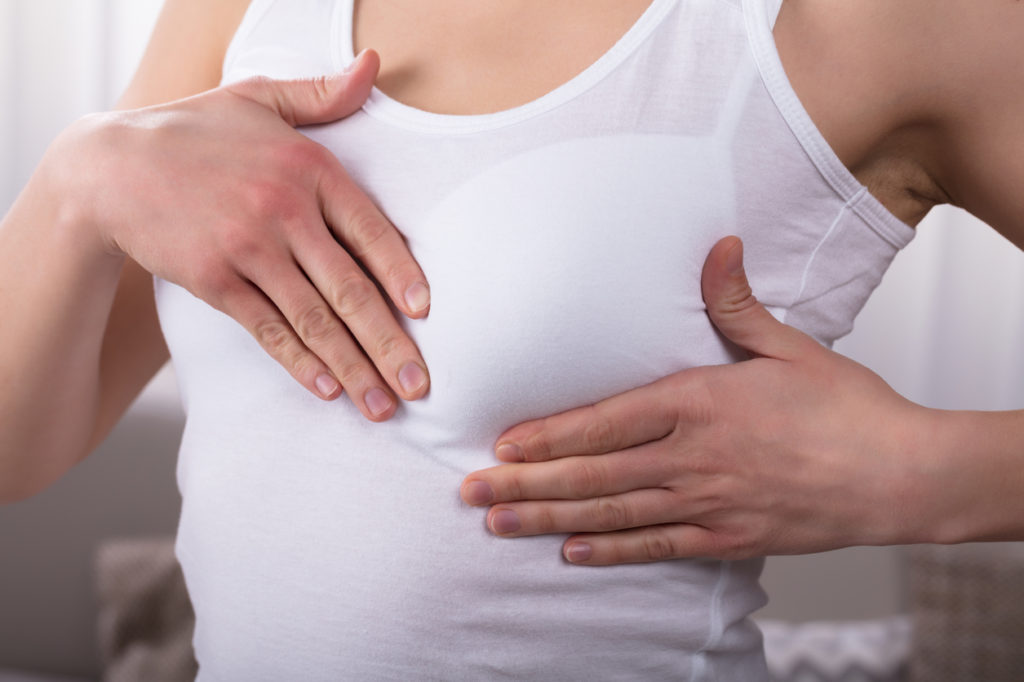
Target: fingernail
[
  {"x": 510, "y": 452},
  {"x": 417, "y": 297},
  {"x": 505, "y": 521},
  {"x": 377, "y": 401},
  {"x": 354, "y": 63},
  {"x": 411, "y": 377},
  {"x": 477, "y": 493},
  {"x": 326, "y": 384},
  {"x": 734, "y": 259},
  {"x": 578, "y": 551}
]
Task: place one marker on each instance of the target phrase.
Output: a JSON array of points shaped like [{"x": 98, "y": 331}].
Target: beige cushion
[{"x": 145, "y": 616}]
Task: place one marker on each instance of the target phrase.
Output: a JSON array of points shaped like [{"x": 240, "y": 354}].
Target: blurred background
[{"x": 945, "y": 329}]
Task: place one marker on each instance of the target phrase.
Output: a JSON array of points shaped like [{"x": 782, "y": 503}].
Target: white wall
[{"x": 947, "y": 326}]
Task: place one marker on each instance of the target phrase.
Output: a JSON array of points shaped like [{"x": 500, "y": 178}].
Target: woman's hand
[
  {"x": 796, "y": 450},
  {"x": 219, "y": 194}
]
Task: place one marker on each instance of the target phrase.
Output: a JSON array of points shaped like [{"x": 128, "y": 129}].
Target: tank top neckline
[{"x": 381, "y": 106}]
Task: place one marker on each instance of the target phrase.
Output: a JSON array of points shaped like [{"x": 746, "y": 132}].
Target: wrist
[
  {"x": 972, "y": 480},
  {"x": 68, "y": 187},
  {"x": 898, "y": 507}
]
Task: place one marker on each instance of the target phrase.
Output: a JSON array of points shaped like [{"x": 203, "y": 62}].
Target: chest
[
  {"x": 469, "y": 57},
  {"x": 559, "y": 276}
]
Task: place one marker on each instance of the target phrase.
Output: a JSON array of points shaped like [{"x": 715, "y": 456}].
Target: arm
[
  {"x": 268, "y": 228},
  {"x": 795, "y": 451},
  {"x": 800, "y": 450},
  {"x": 81, "y": 339}
]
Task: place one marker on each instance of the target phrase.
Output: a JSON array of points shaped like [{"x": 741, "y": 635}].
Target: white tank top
[{"x": 563, "y": 241}]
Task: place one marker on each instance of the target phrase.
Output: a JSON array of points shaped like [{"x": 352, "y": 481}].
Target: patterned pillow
[
  {"x": 852, "y": 651},
  {"x": 968, "y": 608}
]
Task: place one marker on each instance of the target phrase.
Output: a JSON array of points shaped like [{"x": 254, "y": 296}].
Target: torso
[{"x": 563, "y": 241}]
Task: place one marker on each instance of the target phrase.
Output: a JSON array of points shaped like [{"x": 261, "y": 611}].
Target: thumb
[
  {"x": 323, "y": 99},
  {"x": 735, "y": 311}
]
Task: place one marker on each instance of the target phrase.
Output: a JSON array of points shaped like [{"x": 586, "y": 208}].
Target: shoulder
[
  {"x": 931, "y": 88},
  {"x": 972, "y": 67},
  {"x": 185, "y": 52}
]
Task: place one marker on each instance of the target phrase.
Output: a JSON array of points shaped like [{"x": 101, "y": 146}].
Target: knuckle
[
  {"x": 742, "y": 546},
  {"x": 214, "y": 281},
  {"x": 544, "y": 521},
  {"x": 254, "y": 87},
  {"x": 258, "y": 82},
  {"x": 321, "y": 90},
  {"x": 706, "y": 466},
  {"x": 267, "y": 197},
  {"x": 537, "y": 447},
  {"x": 364, "y": 229},
  {"x": 513, "y": 487},
  {"x": 695, "y": 402},
  {"x": 295, "y": 225},
  {"x": 585, "y": 480},
  {"x": 391, "y": 346},
  {"x": 612, "y": 552},
  {"x": 315, "y": 324},
  {"x": 275, "y": 336},
  {"x": 352, "y": 373},
  {"x": 599, "y": 432},
  {"x": 613, "y": 514},
  {"x": 242, "y": 244},
  {"x": 658, "y": 545},
  {"x": 734, "y": 550},
  {"x": 297, "y": 155},
  {"x": 351, "y": 295},
  {"x": 400, "y": 272}
]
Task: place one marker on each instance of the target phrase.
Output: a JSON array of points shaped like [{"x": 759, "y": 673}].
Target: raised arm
[
  {"x": 80, "y": 337},
  {"x": 217, "y": 193}
]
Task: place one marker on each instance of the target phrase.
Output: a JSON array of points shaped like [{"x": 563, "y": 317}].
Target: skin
[{"x": 928, "y": 114}]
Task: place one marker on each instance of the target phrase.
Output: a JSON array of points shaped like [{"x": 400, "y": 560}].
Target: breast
[
  {"x": 564, "y": 275},
  {"x": 559, "y": 276}
]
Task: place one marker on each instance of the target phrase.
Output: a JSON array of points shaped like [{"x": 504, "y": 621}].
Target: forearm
[
  {"x": 973, "y": 481},
  {"x": 57, "y": 285}
]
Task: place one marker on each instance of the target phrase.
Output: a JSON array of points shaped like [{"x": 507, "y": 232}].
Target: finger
[
  {"x": 735, "y": 311},
  {"x": 308, "y": 101},
  {"x": 570, "y": 478},
  {"x": 320, "y": 330},
  {"x": 608, "y": 513},
  {"x": 372, "y": 240},
  {"x": 250, "y": 307},
  {"x": 642, "y": 545},
  {"x": 617, "y": 423},
  {"x": 361, "y": 308}
]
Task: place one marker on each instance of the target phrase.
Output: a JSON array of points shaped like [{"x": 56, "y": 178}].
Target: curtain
[{"x": 60, "y": 60}]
